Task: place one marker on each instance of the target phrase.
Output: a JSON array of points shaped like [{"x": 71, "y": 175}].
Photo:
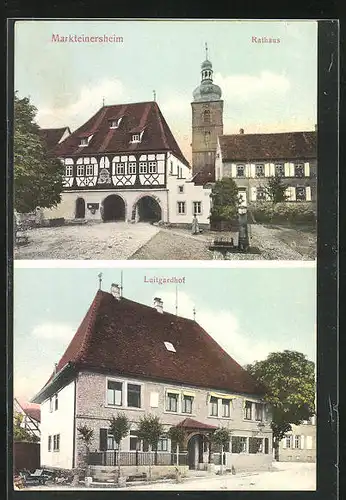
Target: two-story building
[
  {"x": 137, "y": 359},
  {"x": 125, "y": 164},
  {"x": 251, "y": 159},
  {"x": 299, "y": 445}
]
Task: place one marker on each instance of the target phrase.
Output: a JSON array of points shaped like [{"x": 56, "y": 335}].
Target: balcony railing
[{"x": 135, "y": 458}]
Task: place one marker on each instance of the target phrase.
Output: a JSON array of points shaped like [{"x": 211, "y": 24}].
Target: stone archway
[
  {"x": 80, "y": 208},
  {"x": 195, "y": 450},
  {"x": 113, "y": 208},
  {"x": 147, "y": 209}
]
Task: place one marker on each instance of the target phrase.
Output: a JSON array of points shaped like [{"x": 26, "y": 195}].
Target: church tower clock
[{"x": 207, "y": 122}]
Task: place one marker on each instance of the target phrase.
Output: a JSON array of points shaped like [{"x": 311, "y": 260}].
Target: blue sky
[
  {"x": 249, "y": 311},
  {"x": 266, "y": 87}
]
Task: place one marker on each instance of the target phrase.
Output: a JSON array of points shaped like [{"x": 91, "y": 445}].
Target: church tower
[{"x": 207, "y": 122}]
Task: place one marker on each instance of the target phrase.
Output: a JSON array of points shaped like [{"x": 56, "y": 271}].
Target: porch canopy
[{"x": 193, "y": 425}]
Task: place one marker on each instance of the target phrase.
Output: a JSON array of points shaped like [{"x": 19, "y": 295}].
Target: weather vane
[
  {"x": 100, "y": 280},
  {"x": 206, "y": 50},
  {"x": 194, "y": 314},
  {"x": 154, "y": 95}
]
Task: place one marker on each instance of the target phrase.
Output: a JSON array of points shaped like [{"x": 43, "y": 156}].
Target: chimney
[
  {"x": 158, "y": 304},
  {"x": 115, "y": 291},
  {"x": 241, "y": 131},
  {"x": 55, "y": 368}
]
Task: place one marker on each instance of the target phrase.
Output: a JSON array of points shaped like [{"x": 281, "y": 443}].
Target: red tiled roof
[
  {"x": 135, "y": 117},
  {"x": 190, "y": 423},
  {"x": 52, "y": 136},
  {"x": 281, "y": 146},
  {"x": 204, "y": 176},
  {"x": 125, "y": 337},
  {"x": 33, "y": 410}
]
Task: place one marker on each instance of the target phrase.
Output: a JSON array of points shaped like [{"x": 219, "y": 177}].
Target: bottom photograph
[{"x": 164, "y": 378}]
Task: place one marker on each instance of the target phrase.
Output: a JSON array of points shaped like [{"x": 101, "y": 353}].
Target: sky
[
  {"x": 267, "y": 87},
  {"x": 250, "y": 312}
]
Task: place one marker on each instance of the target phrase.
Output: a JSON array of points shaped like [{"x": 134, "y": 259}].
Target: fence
[{"x": 112, "y": 458}]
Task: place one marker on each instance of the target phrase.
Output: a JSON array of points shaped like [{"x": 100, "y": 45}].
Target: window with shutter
[
  {"x": 266, "y": 446},
  {"x": 103, "y": 439}
]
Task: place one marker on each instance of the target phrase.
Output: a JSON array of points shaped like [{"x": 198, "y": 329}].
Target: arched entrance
[
  {"x": 80, "y": 208},
  {"x": 147, "y": 209},
  {"x": 195, "y": 451},
  {"x": 113, "y": 208}
]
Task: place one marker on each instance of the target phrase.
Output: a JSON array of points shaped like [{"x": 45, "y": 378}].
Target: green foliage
[
  {"x": 86, "y": 434},
  {"x": 225, "y": 200},
  {"x": 221, "y": 436},
  {"x": 276, "y": 189},
  {"x": 177, "y": 435},
  {"x": 292, "y": 212},
  {"x": 289, "y": 379},
  {"x": 150, "y": 429},
  {"x": 19, "y": 432},
  {"x": 38, "y": 177},
  {"x": 119, "y": 427}
]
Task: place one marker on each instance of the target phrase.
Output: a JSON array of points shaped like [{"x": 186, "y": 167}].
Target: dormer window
[
  {"x": 84, "y": 141},
  {"x": 114, "y": 123},
  {"x": 135, "y": 138}
]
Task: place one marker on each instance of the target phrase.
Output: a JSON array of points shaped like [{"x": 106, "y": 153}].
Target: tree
[
  {"x": 177, "y": 436},
  {"x": 20, "y": 433},
  {"x": 276, "y": 189},
  {"x": 225, "y": 200},
  {"x": 119, "y": 428},
  {"x": 221, "y": 437},
  {"x": 289, "y": 379},
  {"x": 150, "y": 429},
  {"x": 85, "y": 434},
  {"x": 38, "y": 175}
]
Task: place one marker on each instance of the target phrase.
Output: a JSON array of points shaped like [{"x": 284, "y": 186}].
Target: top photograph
[{"x": 164, "y": 139}]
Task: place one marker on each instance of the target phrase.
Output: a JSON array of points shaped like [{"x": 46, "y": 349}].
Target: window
[
  {"x": 225, "y": 407},
  {"x": 49, "y": 443},
  {"x": 258, "y": 412},
  {"x": 181, "y": 207},
  {"x": 207, "y": 137},
  {"x": 56, "y": 442},
  {"x": 89, "y": 170},
  {"x": 50, "y": 404},
  {"x": 255, "y": 445},
  {"x": 266, "y": 446},
  {"x": 56, "y": 402},
  {"x": 299, "y": 170},
  {"x": 142, "y": 167},
  {"x": 84, "y": 141},
  {"x": 238, "y": 444},
  {"x": 206, "y": 116},
  {"x": 170, "y": 347},
  {"x": 162, "y": 444},
  {"x": 114, "y": 393},
  {"x": 120, "y": 168},
  {"x": 68, "y": 170},
  {"x": 134, "y": 441},
  {"x": 131, "y": 168},
  {"x": 197, "y": 207},
  {"x": 288, "y": 441},
  {"x": 135, "y": 138},
  {"x": 240, "y": 170},
  {"x": 213, "y": 406},
  {"x": 171, "y": 168},
  {"x": 180, "y": 189},
  {"x": 172, "y": 402},
  {"x": 248, "y": 410},
  {"x": 187, "y": 404},
  {"x": 260, "y": 170},
  {"x": 114, "y": 123},
  {"x": 300, "y": 193},
  {"x": 134, "y": 395},
  {"x": 280, "y": 170},
  {"x": 297, "y": 442},
  {"x": 260, "y": 194},
  {"x": 80, "y": 170},
  {"x": 152, "y": 167},
  {"x": 111, "y": 443}
]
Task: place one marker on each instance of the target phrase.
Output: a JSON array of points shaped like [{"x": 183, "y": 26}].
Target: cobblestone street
[{"x": 143, "y": 241}]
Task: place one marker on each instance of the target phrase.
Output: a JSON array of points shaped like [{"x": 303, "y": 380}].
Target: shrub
[{"x": 296, "y": 213}]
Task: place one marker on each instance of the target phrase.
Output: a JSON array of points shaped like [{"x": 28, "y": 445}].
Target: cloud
[
  {"x": 54, "y": 331},
  {"x": 223, "y": 327},
  {"x": 83, "y": 107},
  {"x": 27, "y": 383},
  {"x": 249, "y": 88},
  {"x": 176, "y": 106}
]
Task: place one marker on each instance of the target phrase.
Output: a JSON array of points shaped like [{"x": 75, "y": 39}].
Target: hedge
[{"x": 287, "y": 212}]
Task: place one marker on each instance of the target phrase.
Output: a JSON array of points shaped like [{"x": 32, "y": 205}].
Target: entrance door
[
  {"x": 113, "y": 208},
  {"x": 80, "y": 208},
  {"x": 195, "y": 451}
]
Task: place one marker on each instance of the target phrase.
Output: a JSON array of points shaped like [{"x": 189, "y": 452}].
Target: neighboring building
[
  {"x": 207, "y": 125},
  {"x": 250, "y": 159},
  {"x": 53, "y": 136},
  {"x": 125, "y": 164},
  {"x": 129, "y": 357},
  {"x": 31, "y": 416},
  {"x": 299, "y": 445}
]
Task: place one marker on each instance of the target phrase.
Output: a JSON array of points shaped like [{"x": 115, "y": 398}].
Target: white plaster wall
[
  {"x": 218, "y": 163},
  {"x": 60, "y": 422}
]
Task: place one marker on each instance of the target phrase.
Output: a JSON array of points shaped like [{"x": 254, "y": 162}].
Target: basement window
[{"x": 169, "y": 347}]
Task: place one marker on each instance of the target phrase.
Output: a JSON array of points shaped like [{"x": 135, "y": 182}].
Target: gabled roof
[
  {"x": 190, "y": 423},
  {"x": 52, "y": 136},
  {"x": 204, "y": 176},
  {"x": 30, "y": 409},
  {"x": 135, "y": 117},
  {"x": 280, "y": 146},
  {"x": 127, "y": 338}
]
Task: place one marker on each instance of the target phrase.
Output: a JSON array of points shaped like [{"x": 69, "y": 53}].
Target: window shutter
[
  {"x": 291, "y": 169},
  {"x": 293, "y": 193},
  {"x": 287, "y": 169},
  {"x": 267, "y": 170},
  {"x": 233, "y": 170},
  {"x": 103, "y": 439},
  {"x": 284, "y": 442},
  {"x": 308, "y": 193},
  {"x": 271, "y": 169},
  {"x": 253, "y": 170},
  {"x": 302, "y": 442},
  {"x": 306, "y": 169},
  {"x": 253, "y": 194},
  {"x": 308, "y": 443}
]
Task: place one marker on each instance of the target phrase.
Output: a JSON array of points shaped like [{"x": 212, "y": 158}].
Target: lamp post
[{"x": 243, "y": 238}]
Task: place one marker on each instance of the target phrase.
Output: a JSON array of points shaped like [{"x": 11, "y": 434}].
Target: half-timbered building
[{"x": 125, "y": 164}]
